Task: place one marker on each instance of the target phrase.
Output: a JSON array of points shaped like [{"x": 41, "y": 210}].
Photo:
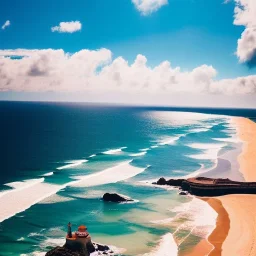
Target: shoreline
[
  {"x": 234, "y": 233},
  {"x": 239, "y": 211},
  {"x": 246, "y": 131},
  {"x": 212, "y": 245}
]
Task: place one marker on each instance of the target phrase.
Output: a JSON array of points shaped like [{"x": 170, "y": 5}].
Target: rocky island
[
  {"x": 202, "y": 186},
  {"x": 79, "y": 244},
  {"x": 116, "y": 198}
]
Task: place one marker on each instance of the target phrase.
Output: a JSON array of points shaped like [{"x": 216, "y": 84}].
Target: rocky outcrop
[
  {"x": 62, "y": 251},
  {"x": 171, "y": 182},
  {"x": 79, "y": 251},
  {"x": 116, "y": 198},
  {"x": 202, "y": 186},
  {"x": 183, "y": 193}
]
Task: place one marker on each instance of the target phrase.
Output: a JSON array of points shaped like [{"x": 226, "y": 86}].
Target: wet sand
[
  {"x": 212, "y": 246},
  {"x": 236, "y": 223},
  {"x": 235, "y": 232}
]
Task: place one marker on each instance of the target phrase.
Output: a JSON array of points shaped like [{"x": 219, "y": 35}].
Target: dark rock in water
[
  {"x": 183, "y": 193},
  {"x": 62, "y": 251},
  {"x": 171, "y": 182},
  {"x": 161, "y": 181},
  {"x": 100, "y": 247},
  {"x": 103, "y": 247},
  {"x": 116, "y": 198}
]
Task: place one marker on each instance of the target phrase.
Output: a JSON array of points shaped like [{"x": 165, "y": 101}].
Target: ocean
[{"x": 58, "y": 159}]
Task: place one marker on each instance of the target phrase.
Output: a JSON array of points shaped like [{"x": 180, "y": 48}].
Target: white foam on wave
[
  {"x": 72, "y": 164},
  {"x": 48, "y": 174},
  {"x": 197, "y": 130},
  {"x": 145, "y": 149},
  {"x": 154, "y": 146},
  {"x": 139, "y": 154},
  {"x": 24, "y": 196},
  {"x": 23, "y": 184},
  {"x": 92, "y": 156},
  {"x": 195, "y": 217},
  {"x": 114, "y": 174},
  {"x": 231, "y": 124},
  {"x": 209, "y": 154},
  {"x": 30, "y": 192},
  {"x": 114, "y": 151},
  {"x": 169, "y": 140},
  {"x": 207, "y": 145},
  {"x": 234, "y": 139},
  {"x": 200, "y": 217},
  {"x": 19, "y": 185},
  {"x": 167, "y": 247},
  {"x": 52, "y": 242}
]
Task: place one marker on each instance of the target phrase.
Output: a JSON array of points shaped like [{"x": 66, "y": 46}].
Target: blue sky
[
  {"x": 188, "y": 33},
  {"x": 203, "y": 32}
]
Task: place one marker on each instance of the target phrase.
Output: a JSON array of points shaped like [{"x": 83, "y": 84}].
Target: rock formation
[
  {"x": 116, "y": 198},
  {"x": 62, "y": 251},
  {"x": 79, "y": 251},
  {"x": 202, "y": 186},
  {"x": 171, "y": 182}
]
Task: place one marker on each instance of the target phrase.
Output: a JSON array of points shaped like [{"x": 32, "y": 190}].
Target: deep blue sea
[{"x": 58, "y": 159}]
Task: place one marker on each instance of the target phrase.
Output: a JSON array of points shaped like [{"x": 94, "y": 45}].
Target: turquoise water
[{"x": 129, "y": 149}]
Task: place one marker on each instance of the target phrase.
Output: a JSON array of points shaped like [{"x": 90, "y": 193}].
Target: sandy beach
[
  {"x": 247, "y": 159},
  {"x": 235, "y": 231}
]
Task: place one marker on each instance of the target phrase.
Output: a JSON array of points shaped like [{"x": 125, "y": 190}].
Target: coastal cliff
[{"x": 202, "y": 186}]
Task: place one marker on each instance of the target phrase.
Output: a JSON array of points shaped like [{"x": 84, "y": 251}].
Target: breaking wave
[
  {"x": 114, "y": 151},
  {"x": 72, "y": 164},
  {"x": 48, "y": 174},
  {"x": 114, "y": 174},
  {"x": 27, "y": 193},
  {"x": 170, "y": 140},
  {"x": 139, "y": 154},
  {"x": 23, "y": 196},
  {"x": 167, "y": 247}
]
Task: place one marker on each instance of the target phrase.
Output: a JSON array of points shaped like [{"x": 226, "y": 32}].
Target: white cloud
[
  {"x": 6, "y": 24},
  {"x": 89, "y": 71},
  {"x": 148, "y": 6},
  {"x": 245, "y": 15},
  {"x": 246, "y": 45},
  {"x": 67, "y": 27}
]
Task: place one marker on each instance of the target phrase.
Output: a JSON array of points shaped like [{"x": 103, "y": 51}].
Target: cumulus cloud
[
  {"x": 6, "y": 24},
  {"x": 67, "y": 27},
  {"x": 148, "y": 6},
  {"x": 246, "y": 45},
  {"x": 245, "y": 15},
  {"x": 96, "y": 71}
]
